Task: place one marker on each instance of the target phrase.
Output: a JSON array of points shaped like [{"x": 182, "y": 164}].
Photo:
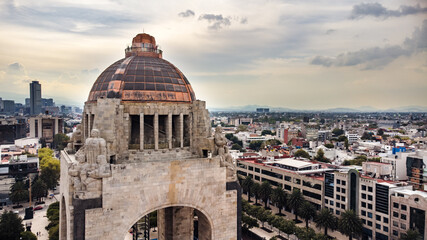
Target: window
[
  {"x": 257, "y": 170},
  {"x": 364, "y": 204},
  {"x": 396, "y": 205},
  {"x": 395, "y": 224},
  {"x": 337, "y": 204},
  {"x": 337, "y": 197},
  {"x": 385, "y": 229},
  {"x": 363, "y": 196},
  {"x": 326, "y": 201},
  {"x": 403, "y": 207},
  {"x": 385, "y": 220},
  {"x": 338, "y": 181},
  {"x": 395, "y": 214},
  {"x": 403, "y": 216},
  {"x": 370, "y": 197},
  {"x": 343, "y": 182},
  {"x": 363, "y": 221},
  {"x": 338, "y": 189},
  {"x": 363, "y": 212},
  {"x": 378, "y": 217},
  {"x": 297, "y": 181},
  {"x": 369, "y": 206},
  {"x": 364, "y": 187},
  {"x": 342, "y": 206},
  {"x": 343, "y": 190},
  {"x": 256, "y": 177},
  {"x": 369, "y": 189},
  {"x": 331, "y": 203},
  {"x": 403, "y": 226},
  {"x": 343, "y": 198},
  {"x": 378, "y": 226},
  {"x": 250, "y": 168},
  {"x": 395, "y": 233},
  {"x": 337, "y": 212},
  {"x": 369, "y": 215},
  {"x": 370, "y": 223}
]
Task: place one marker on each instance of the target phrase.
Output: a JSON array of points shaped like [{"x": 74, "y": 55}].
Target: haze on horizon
[{"x": 313, "y": 54}]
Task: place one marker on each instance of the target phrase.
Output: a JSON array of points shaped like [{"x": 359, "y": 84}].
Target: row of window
[
  {"x": 370, "y": 198},
  {"x": 377, "y": 226},
  {"x": 342, "y": 190},
  {"x": 370, "y": 189},
  {"x": 403, "y": 207},
  {"x": 402, "y": 225},
  {"x": 402, "y": 216},
  {"x": 342, "y": 182},
  {"x": 369, "y": 205}
]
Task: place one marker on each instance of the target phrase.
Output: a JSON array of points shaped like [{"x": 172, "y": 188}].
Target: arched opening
[
  {"x": 172, "y": 223},
  {"x": 63, "y": 230}
]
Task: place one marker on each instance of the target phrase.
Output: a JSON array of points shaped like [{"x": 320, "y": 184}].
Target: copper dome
[{"x": 142, "y": 76}]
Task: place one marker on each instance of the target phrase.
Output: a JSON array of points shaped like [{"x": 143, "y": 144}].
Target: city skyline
[{"x": 311, "y": 55}]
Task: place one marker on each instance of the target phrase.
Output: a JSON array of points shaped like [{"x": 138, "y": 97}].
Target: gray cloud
[
  {"x": 217, "y": 21},
  {"x": 376, "y": 57},
  {"x": 16, "y": 68},
  {"x": 330, "y": 31},
  {"x": 186, "y": 14},
  {"x": 244, "y": 21},
  {"x": 379, "y": 11}
]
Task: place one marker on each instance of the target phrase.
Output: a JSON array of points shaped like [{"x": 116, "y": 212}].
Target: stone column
[
  {"x": 141, "y": 131},
  {"x": 40, "y": 123},
  {"x": 56, "y": 125},
  {"x": 169, "y": 130},
  {"x": 156, "y": 131},
  {"x": 181, "y": 130},
  {"x": 88, "y": 124},
  {"x": 175, "y": 223}
]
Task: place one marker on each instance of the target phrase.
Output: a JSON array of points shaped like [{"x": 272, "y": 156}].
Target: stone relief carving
[
  {"x": 222, "y": 151},
  {"x": 77, "y": 138},
  {"x": 90, "y": 168}
]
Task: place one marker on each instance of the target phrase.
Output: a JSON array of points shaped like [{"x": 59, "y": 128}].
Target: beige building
[
  {"x": 45, "y": 127},
  {"x": 147, "y": 149}
]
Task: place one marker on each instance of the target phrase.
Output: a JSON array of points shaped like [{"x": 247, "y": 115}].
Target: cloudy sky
[{"x": 311, "y": 54}]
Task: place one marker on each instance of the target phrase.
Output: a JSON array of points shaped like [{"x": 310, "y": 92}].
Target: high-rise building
[{"x": 35, "y": 98}]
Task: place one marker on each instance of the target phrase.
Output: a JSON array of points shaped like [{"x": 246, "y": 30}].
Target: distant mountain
[{"x": 252, "y": 108}]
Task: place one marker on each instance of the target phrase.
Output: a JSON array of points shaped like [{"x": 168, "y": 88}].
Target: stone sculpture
[
  {"x": 77, "y": 138},
  {"x": 222, "y": 151},
  {"x": 91, "y": 166}
]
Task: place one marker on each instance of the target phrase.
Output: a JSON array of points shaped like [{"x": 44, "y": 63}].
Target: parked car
[
  {"x": 38, "y": 208},
  {"x": 16, "y": 211}
]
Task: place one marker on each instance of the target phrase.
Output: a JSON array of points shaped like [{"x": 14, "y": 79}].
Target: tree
[
  {"x": 265, "y": 192},
  {"x": 54, "y": 233},
  {"x": 350, "y": 224},
  {"x": 39, "y": 189},
  {"x": 248, "y": 222},
  {"x": 247, "y": 186},
  {"x": 10, "y": 226},
  {"x": 19, "y": 192},
  {"x": 241, "y": 128},
  {"x": 229, "y": 136},
  {"x": 60, "y": 141},
  {"x": 278, "y": 197},
  {"x": 326, "y": 220},
  {"x": 320, "y": 156},
  {"x": 262, "y": 215},
  {"x": 411, "y": 235},
  {"x": 302, "y": 153},
  {"x": 27, "y": 235},
  {"x": 236, "y": 146},
  {"x": 294, "y": 201},
  {"x": 50, "y": 171},
  {"x": 342, "y": 138},
  {"x": 266, "y": 132},
  {"x": 307, "y": 212},
  {"x": 44, "y": 152},
  {"x": 329, "y": 145},
  {"x": 287, "y": 227},
  {"x": 256, "y": 191},
  {"x": 337, "y": 132},
  {"x": 53, "y": 217},
  {"x": 271, "y": 142},
  {"x": 255, "y": 145},
  {"x": 380, "y": 132}
]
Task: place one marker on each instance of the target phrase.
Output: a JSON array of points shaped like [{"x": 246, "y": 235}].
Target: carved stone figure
[
  {"x": 220, "y": 141},
  {"x": 90, "y": 168},
  {"x": 95, "y": 146},
  {"x": 77, "y": 138}
]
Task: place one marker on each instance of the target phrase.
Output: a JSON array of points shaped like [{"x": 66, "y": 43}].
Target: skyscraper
[{"x": 35, "y": 98}]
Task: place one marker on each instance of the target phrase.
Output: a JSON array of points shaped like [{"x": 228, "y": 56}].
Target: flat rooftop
[{"x": 293, "y": 163}]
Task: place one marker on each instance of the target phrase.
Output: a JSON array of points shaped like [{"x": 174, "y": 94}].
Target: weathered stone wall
[
  {"x": 135, "y": 190},
  {"x": 66, "y": 197}
]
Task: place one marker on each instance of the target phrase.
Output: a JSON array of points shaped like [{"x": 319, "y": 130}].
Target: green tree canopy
[
  {"x": 247, "y": 186},
  {"x": 326, "y": 219},
  {"x": 241, "y": 128},
  {"x": 265, "y": 192},
  {"x": 411, "y": 235},
  {"x": 50, "y": 171},
  {"x": 329, "y": 145},
  {"x": 301, "y": 153},
  {"x": 27, "y": 235},
  {"x": 278, "y": 197},
  {"x": 307, "y": 212},
  {"x": 271, "y": 142},
  {"x": 320, "y": 156},
  {"x": 350, "y": 224},
  {"x": 255, "y": 189},
  {"x": 10, "y": 226},
  {"x": 295, "y": 199},
  {"x": 39, "y": 189},
  {"x": 19, "y": 192},
  {"x": 255, "y": 145},
  {"x": 249, "y": 222},
  {"x": 60, "y": 141},
  {"x": 266, "y": 132},
  {"x": 337, "y": 132}
]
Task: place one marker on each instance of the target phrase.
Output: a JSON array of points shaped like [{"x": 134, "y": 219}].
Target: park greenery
[
  {"x": 359, "y": 160},
  {"x": 53, "y": 217},
  {"x": 11, "y": 228},
  {"x": 301, "y": 154}
]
